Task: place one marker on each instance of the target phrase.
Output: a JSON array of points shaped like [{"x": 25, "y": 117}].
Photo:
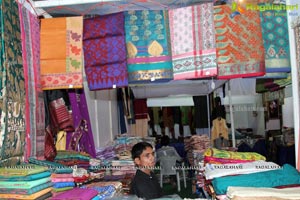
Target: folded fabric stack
[
  {"x": 123, "y": 146},
  {"x": 52, "y": 166},
  {"x": 107, "y": 189},
  {"x": 71, "y": 158},
  {"x": 285, "y": 176},
  {"x": 195, "y": 147},
  {"x": 216, "y": 156},
  {"x": 26, "y": 181},
  {"x": 106, "y": 154},
  {"x": 123, "y": 167},
  {"x": 77, "y": 193},
  {"x": 62, "y": 182}
]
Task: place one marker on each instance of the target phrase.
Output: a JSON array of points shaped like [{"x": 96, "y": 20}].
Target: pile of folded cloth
[
  {"x": 123, "y": 167},
  {"x": 195, "y": 147},
  {"x": 106, "y": 154},
  {"x": 77, "y": 193},
  {"x": 71, "y": 158},
  {"x": 107, "y": 189},
  {"x": 25, "y": 181},
  {"x": 62, "y": 182}
]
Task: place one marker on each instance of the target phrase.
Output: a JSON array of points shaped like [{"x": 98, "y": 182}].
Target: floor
[{"x": 187, "y": 192}]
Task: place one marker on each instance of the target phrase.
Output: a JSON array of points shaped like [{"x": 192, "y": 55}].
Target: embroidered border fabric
[
  {"x": 148, "y": 46},
  {"x": 240, "y": 51},
  {"x": 192, "y": 35}
]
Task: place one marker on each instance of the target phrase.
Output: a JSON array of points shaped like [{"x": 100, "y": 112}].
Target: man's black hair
[{"x": 138, "y": 149}]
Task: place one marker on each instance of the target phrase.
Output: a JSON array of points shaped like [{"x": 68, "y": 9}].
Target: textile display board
[
  {"x": 276, "y": 40},
  {"x": 148, "y": 46},
  {"x": 240, "y": 50},
  {"x": 105, "y": 51},
  {"x": 192, "y": 35},
  {"x": 34, "y": 110},
  {"x": 61, "y": 53},
  {"x": 12, "y": 103}
]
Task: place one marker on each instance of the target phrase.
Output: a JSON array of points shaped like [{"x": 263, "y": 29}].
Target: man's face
[{"x": 146, "y": 159}]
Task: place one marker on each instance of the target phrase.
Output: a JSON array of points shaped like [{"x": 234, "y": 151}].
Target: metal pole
[{"x": 231, "y": 116}]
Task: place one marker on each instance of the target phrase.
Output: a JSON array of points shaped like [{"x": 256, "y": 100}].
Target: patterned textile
[
  {"x": 217, "y": 153},
  {"x": 239, "y": 44},
  {"x": 34, "y": 113},
  {"x": 61, "y": 53},
  {"x": 80, "y": 112},
  {"x": 12, "y": 109},
  {"x": 276, "y": 40},
  {"x": 192, "y": 34},
  {"x": 105, "y": 52},
  {"x": 148, "y": 49}
]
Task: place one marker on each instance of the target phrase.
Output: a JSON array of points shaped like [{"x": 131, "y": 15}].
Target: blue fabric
[
  {"x": 287, "y": 175},
  {"x": 63, "y": 184}
]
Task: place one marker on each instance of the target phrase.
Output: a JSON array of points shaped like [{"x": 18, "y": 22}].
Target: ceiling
[{"x": 102, "y": 7}]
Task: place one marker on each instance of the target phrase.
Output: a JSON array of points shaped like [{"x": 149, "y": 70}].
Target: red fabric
[{"x": 140, "y": 109}]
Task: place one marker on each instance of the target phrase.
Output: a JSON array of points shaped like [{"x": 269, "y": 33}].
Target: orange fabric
[
  {"x": 240, "y": 50},
  {"x": 61, "y": 53}
]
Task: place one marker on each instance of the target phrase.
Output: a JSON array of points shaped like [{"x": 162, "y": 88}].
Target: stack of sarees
[{"x": 25, "y": 181}]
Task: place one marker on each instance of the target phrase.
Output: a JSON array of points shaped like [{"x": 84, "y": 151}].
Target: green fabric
[
  {"x": 21, "y": 170},
  {"x": 23, "y": 184},
  {"x": 288, "y": 175},
  {"x": 26, "y": 178},
  {"x": 26, "y": 191},
  {"x": 62, "y": 189},
  {"x": 12, "y": 130}
]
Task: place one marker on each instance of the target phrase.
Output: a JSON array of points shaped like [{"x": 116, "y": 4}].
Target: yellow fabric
[
  {"x": 217, "y": 153},
  {"x": 61, "y": 140},
  {"x": 219, "y": 127},
  {"x": 26, "y": 197}
]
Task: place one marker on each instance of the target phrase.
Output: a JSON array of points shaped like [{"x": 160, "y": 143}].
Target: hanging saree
[
  {"x": 34, "y": 110},
  {"x": 80, "y": 112},
  {"x": 276, "y": 40},
  {"x": 192, "y": 35},
  {"x": 240, "y": 51},
  {"x": 148, "y": 48},
  {"x": 12, "y": 130},
  {"x": 105, "y": 52},
  {"x": 61, "y": 53}
]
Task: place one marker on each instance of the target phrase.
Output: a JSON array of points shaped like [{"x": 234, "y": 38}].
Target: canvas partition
[{"x": 192, "y": 35}]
